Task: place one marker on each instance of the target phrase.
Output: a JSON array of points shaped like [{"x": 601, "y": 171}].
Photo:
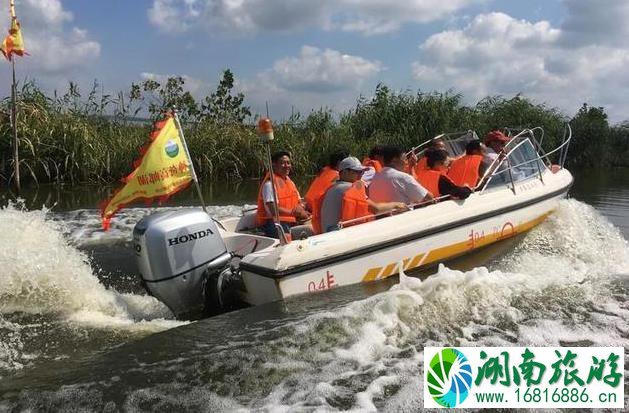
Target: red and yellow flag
[
  {"x": 162, "y": 170},
  {"x": 13, "y": 43}
]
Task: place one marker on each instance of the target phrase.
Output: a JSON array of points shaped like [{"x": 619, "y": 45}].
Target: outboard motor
[{"x": 177, "y": 251}]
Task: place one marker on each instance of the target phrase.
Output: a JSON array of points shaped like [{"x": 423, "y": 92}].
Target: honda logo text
[{"x": 182, "y": 239}]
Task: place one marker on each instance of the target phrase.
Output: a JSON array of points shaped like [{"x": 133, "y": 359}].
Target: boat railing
[
  {"x": 521, "y": 138},
  {"x": 448, "y": 138},
  {"x": 371, "y": 217}
]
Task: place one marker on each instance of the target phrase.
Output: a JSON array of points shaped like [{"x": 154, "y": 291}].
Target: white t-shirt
[
  {"x": 368, "y": 175},
  {"x": 490, "y": 157},
  {"x": 391, "y": 185},
  {"x": 267, "y": 196}
]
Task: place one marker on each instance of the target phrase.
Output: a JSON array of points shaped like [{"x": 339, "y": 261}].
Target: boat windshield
[
  {"x": 521, "y": 162},
  {"x": 455, "y": 143}
]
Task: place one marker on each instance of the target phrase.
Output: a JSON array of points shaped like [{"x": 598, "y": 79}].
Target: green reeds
[{"x": 96, "y": 138}]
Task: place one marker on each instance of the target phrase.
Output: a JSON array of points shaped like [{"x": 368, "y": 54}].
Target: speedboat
[{"x": 191, "y": 262}]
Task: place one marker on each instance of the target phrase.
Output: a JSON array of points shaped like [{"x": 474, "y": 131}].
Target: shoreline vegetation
[{"x": 94, "y": 138}]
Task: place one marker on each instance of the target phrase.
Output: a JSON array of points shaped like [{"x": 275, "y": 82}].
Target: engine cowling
[{"x": 176, "y": 252}]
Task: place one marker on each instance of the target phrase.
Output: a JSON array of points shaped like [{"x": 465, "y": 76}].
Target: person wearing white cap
[{"x": 347, "y": 198}]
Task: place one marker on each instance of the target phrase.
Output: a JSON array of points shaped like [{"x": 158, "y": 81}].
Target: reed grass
[{"x": 95, "y": 138}]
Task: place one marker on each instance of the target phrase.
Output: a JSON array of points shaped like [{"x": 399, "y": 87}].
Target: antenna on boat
[{"x": 265, "y": 132}]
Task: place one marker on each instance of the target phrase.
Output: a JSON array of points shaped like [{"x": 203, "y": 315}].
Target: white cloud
[
  {"x": 596, "y": 22},
  {"x": 237, "y": 16},
  {"x": 315, "y": 78},
  {"x": 54, "y": 48},
  {"x": 172, "y": 15},
  {"x": 322, "y": 71},
  {"x": 497, "y": 54}
]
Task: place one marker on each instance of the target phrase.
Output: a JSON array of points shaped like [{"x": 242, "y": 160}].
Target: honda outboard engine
[{"x": 176, "y": 253}]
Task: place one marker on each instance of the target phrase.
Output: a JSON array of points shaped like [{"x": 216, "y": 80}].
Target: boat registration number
[{"x": 325, "y": 283}]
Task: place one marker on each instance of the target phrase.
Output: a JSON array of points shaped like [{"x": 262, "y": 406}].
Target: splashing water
[
  {"x": 562, "y": 285},
  {"x": 43, "y": 280},
  {"x": 83, "y": 226},
  {"x": 565, "y": 283}
]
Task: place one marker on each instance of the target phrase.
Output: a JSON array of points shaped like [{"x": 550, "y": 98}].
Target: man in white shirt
[
  {"x": 286, "y": 203},
  {"x": 350, "y": 171},
  {"x": 393, "y": 185}
]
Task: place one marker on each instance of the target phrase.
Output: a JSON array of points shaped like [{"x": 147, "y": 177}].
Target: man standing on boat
[
  {"x": 347, "y": 199},
  {"x": 288, "y": 203},
  {"x": 393, "y": 185}
]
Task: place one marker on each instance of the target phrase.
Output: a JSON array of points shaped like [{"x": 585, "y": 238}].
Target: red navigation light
[{"x": 265, "y": 125}]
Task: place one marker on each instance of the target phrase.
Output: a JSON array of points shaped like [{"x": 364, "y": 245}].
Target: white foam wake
[
  {"x": 42, "y": 274},
  {"x": 561, "y": 285}
]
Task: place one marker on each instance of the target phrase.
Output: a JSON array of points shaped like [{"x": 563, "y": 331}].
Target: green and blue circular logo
[
  {"x": 449, "y": 377},
  {"x": 172, "y": 149}
]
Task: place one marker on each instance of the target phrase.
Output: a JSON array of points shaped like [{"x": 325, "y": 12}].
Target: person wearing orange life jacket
[
  {"x": 468, "y": 169},
  {"x": 326, "y": 177},
  {"x": 373, "y": 163},
  {"x": 289, "y": 206},
  {"x": 435, "y": 179},
  {"x": 422, "y": 163},
  {"x": 347, "y": 199}
]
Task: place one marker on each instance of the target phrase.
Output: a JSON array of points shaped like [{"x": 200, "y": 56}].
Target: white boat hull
[{"x": 414, "y": 239}]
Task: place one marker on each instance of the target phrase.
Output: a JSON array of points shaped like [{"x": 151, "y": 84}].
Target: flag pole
[
  {"x": 16, "y": 153},
  {"x": 193, "y": 173}
]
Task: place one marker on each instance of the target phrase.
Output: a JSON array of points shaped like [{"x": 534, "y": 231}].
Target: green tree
[
  {"x": 222, "y": 105},
  {"x": 161, "y": 98},
  {"x": 590, "y": 137}
]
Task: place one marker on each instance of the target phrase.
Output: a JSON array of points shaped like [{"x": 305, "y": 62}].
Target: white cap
[{"x": 352, "y": 163}]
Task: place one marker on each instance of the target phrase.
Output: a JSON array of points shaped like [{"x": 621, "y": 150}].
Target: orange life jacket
[
  {"x": 464, "y": 170},
  {"x": 316, "y": 212},
  {"x": 429, "y": 179},
  {"x": 320, "y": 184},
  {"x": 287, "y": 197},
  {"x": 373, "y": 163},
  {"x": 355, "y": 204},
  {"x": 421, "y": 165}
]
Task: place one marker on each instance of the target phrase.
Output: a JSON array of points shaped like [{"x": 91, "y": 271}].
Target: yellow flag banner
[
  {"x": 13, "y": 43},
  {"x": 162, "y": 170}
]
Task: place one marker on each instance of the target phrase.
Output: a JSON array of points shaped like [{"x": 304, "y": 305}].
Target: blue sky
[{"x": 307, "y": 54}]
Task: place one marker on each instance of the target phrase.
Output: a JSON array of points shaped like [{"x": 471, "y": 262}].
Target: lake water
[{"x": 77, "y": 332}]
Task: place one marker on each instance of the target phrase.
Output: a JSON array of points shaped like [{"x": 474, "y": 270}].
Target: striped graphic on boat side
[
  {"x": 378, "y": 273},
  {"x": 449, "y": 251}
]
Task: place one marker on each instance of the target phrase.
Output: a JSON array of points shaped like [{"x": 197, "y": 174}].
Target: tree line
[{"x": 95, "y": 137}]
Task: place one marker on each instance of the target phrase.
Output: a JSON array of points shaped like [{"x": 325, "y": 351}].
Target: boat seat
[{"x": 301, "y": 231}]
